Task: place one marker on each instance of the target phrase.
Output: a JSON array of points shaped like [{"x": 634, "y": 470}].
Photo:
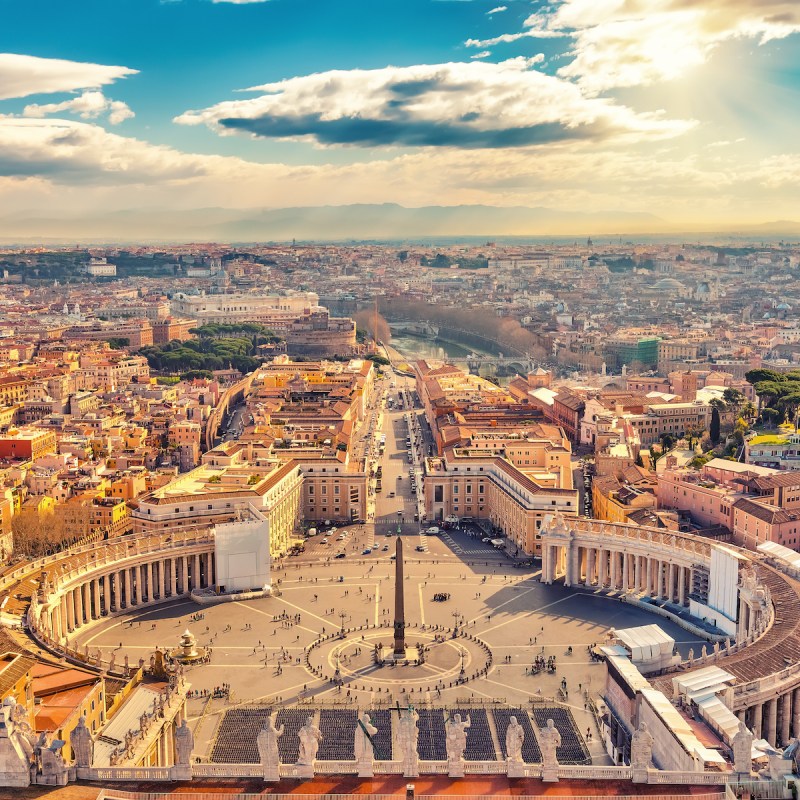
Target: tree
[
  {"x": 713, "y": 429},
  {"x": 733, "y": 398}
]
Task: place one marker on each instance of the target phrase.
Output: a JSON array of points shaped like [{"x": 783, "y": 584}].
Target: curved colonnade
[
  {"x": 61, "y": 594},
  {"x": 655, "y": 566}
]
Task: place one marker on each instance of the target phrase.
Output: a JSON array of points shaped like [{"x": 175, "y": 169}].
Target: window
[{"x": 438, "y": 494}]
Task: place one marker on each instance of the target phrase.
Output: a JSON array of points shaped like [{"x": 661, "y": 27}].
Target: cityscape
[{"x": 399, "y": 401}]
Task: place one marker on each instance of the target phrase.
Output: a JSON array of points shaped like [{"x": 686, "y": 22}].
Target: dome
[{"x": 669, "y": 283}]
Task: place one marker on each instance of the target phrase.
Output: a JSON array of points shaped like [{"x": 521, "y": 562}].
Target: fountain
[{"x": 188, "y": 651}]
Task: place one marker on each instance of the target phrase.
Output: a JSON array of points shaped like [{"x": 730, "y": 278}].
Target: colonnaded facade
[{"x": 744, "y": 608}]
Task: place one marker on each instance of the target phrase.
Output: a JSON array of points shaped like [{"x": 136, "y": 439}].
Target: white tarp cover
[
  {"x": 780, "y": 553},
  {"x": 719, "y": 716},
  {"x": 680, "y": 727},
  {"x": 646, "y": 642},
  {"x": 702, "y": 682}
]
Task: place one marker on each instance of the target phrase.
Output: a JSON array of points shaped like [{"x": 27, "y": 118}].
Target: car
[
  {"x": 393, "y": 556},
  {"x": 366, "y": 551},
  {"x": 486, "y": 540},
  {"x": 325, "y": 540},
  {"x": 333, "y": 530},
  {"x": 388, "y": 535},
  {"x": 391, "y": 494},
  {"x": 419, "y": 548},
  {"x": 432, "y": 529},
  {"x": 385, "y": 548},
  {"x": 340, "y": 538},
  {"x": 340, "y": 555}
]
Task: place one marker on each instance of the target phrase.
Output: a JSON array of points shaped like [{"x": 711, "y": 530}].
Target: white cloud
[
  {"x": 638, "y": 42},
  {"x": 88, "y": 105},
  {"x": 497, "y": 10},
  {"x": 482, "y": 54},
  {"x": 473, "y": 105},
  {"x": 21, "y": 75}
]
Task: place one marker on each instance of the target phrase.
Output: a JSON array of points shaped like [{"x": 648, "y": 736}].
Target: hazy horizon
[{"x": 686, "y": 112}]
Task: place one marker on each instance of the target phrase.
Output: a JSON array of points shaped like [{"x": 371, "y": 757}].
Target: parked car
[{"x": 340, "y": 555}]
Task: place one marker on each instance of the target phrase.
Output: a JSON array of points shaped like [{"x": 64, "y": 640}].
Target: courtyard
[{"x": 269, "y": 651}]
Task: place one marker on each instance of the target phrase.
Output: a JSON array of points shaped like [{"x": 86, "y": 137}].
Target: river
[{"x": 417, "y": 347}]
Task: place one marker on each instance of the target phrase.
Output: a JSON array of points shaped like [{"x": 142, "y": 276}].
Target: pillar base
[
  {"x": 366, "y": 769},
  {"x": 515, "y": 769},
  {"x": 272, "y": 774},
  {"x": 550, "y": 774},
  {"x": 639, "y": 776},
  {"x": 455, "y": 769},
  {"x": 305, "y": 770}
]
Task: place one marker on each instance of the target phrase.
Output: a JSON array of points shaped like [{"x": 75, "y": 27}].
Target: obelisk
[{"x": 399, "y": 603}]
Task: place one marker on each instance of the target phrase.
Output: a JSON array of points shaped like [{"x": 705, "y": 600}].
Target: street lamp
[
  {"x": 462, "y": 673},
  {"x": 343, "y": 617}
]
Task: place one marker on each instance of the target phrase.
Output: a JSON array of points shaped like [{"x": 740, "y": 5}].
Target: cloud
[
  {"x": 621, "y": 43},
  {"x": 88, "y": 105},
  {"x": 21, "y": 75},
  {"x": 482, "y": 54},
  {"x": 497, "y": 10},
  {"x": 76, "y": 152},
  {"x": 467, "y": 105}
]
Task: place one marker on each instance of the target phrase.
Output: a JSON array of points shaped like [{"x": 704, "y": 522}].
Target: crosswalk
[{"x": 467, "y": 551}]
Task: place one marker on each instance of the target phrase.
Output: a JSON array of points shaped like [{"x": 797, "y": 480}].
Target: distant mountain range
[{"x": 360, "y": 222}]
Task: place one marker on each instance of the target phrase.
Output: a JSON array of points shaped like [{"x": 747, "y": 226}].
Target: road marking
[{"x": 421, "y": 605}]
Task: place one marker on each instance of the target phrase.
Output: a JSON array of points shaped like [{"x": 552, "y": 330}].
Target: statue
[
  {"x": 515, "y": 736},
  {"x": 82, "y": 744},
  {"x": 15, "y": 764},
  {"x": 184, "y": 743},
  {"x": 456, "y": 742},
  {"x": 54, "y": 768},
  {"x": 363, "y": 745},
  {"x": 113, "y": 660},
  {"x": 408, "y": 735},
  {"x": 267, "y": 743},
  {"x": 742, "y": 746},
  {"x": 641, "y": 753},
  {"x": 550, "y": 741},
  {"x": 310, "y": 737}
]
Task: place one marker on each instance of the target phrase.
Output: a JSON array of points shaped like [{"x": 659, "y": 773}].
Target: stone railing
[
  {"x": 591, "y": 773},
  {"x": 658, "y": 776},
  {"x": 227, "y": 770},
  {"x": 107, "y": 774}
]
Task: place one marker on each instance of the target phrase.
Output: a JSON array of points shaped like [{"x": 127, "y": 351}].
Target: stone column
[
  {"x": 96, "y": 597},
  {"x": 87, "y": 602},
  {"x": 758, "y": 713},
  {"x": 128, "y": 595},
  {"x": 56, "y": 629},
  {"x": 786, "y": 717},
  {"x": 613, "y": 576},
  {"x": 70, "y": 607},
  {"x": 77, "y": 599},
  {"x": 173, "y": 579},
  {"x": 771, "y": 721},
  {"x": 107, "y": 593},
  {"x": 637, "y": 574},
  {"x": 162, "y": 580},
  {"x": 682, "y": 585},
  {"x": 589, "y": 566},
  {"x": 673, "y": 572},
  {"x": 626, "y": 572},
  {"x": 796, "y": 712},
  {"x": 196, "y": 573}
]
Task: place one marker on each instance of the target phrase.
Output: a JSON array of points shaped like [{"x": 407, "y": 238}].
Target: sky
[{"x": 685, "y": 109}]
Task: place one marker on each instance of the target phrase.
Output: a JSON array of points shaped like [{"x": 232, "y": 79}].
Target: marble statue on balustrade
[
  {"x": 515, "y": 738},
  {"x": 184, "y": 744},
  {"x": 54, "y": 771},
  {"x": 456, "y": 743},
  {"x": 742, "y": 746},
  {"x": 267, "y": 743},
  {"x": 15, "y": 763},
  {"x": 364, "y": 746},
  {"x": 82, "y": 744},
  {"x": 408, "y": 735},
  {"x": 310, "y": 737},
  {"x": 641, "y": 753},
  {"x": 549, "y": 742}
]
